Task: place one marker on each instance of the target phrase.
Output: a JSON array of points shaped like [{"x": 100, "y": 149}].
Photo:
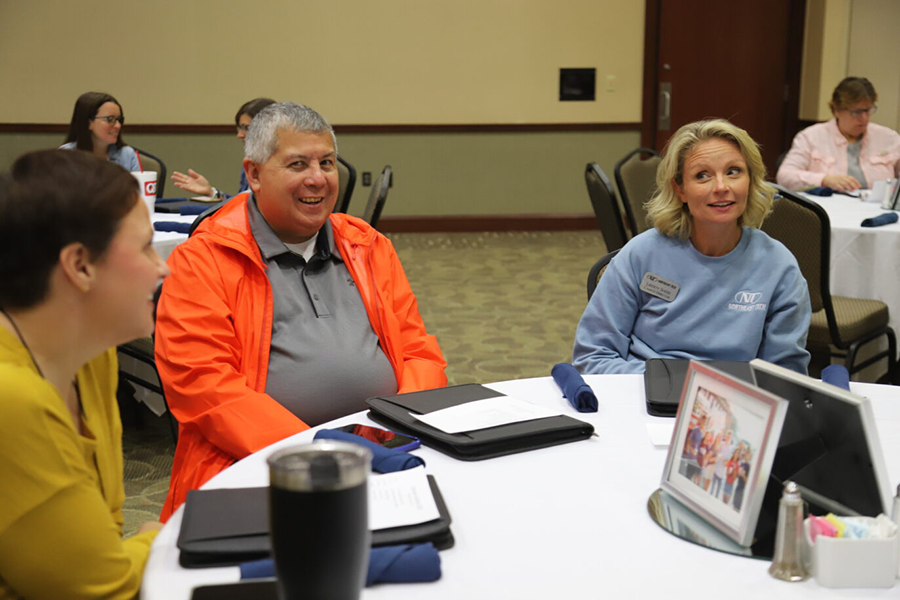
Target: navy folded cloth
[
  {"x": 837, "y": 375},
  {"x": 166, "y": 200},
  {"x": 820, "y": 191},
  {"x": 191, "y": 209},
  {"x": 407, "y": 563},
  {"x": 384, "y": 460},
  {"x": 172, "y": 226},
  {"x": 573, "y": 387},
  {"x": 885, "y": 219}
]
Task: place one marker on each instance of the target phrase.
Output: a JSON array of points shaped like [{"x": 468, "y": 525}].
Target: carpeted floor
[{"x": 503, "y": 306}]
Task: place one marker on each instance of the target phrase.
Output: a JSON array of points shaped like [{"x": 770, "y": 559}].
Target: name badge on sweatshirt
[{"x": 662, "y": 288}]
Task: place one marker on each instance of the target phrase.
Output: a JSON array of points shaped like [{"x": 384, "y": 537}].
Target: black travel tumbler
[{"x": 318, "y": 512}]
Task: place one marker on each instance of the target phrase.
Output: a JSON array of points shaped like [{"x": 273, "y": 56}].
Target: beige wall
[
  {"x": 394, "y": 61},
  {"x": 434, "y": 174},
  {"x": 851, "y": 37},
  {"x": 811, "y": 70},
  {"x": 824, "y": 55},
  {"x": 874, "y": 52},
  {"x": 356, "y": 61}
]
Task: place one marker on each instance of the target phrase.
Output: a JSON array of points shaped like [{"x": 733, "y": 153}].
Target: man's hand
[
  {"x": 842, "y": 183},
  {"x": 196, "y": 183}
]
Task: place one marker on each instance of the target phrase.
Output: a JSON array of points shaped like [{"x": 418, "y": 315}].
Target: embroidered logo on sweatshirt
[{"x": 746, "y": 301}]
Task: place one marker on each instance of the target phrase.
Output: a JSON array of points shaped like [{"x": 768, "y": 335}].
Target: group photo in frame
[{"x": 725, "y": 437}]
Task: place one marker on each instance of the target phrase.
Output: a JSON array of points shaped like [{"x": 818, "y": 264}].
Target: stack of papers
[
  {"x": 401, "y": 498},
  {"x": 481, "y": 414}
]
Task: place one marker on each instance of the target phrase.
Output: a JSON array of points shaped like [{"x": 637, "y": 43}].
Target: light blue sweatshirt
[{"x": 751, "y": 303}]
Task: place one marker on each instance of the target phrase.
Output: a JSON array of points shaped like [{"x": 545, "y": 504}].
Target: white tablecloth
[
  {"x": 563, "y": 522},
  {"x": 165, "y": 241},
  {"x": 865, "y": 261}
]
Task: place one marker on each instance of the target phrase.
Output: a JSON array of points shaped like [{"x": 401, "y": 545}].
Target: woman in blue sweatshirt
[{"x": 705, "y": 282}]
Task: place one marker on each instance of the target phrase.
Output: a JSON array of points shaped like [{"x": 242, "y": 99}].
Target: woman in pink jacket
[{"x": 847, "y": 152}]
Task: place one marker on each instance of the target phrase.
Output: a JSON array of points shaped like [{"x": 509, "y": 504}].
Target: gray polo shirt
[
  {"x": 854, "y": 169},
  {"x": 325, "y": 358}
]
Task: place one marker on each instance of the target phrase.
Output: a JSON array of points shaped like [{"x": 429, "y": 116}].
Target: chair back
[
  {"x": 151, "y": 162},
  {"x": 205, "y": 215},
  {"x": 804, "y": 228},
  {"x": 606, "y": 207},
  {"x": 597, "y": 272},
  {"x": 347, "y": 181},
  {"x": 377, "y": 197},
  {"x": 779, "y": 161},
  {"x": 636, "y": 180}
]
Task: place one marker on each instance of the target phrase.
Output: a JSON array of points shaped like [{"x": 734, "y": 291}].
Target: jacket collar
[
  {"x": 838, "y": 137},
  {"x": 230, "y": 227}
]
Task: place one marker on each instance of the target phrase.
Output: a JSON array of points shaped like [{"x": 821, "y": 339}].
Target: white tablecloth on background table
[
  {"x": 165, "y": 241},
  {"x": 865, "y": 261},
  {"x": 569, "y": 521}
]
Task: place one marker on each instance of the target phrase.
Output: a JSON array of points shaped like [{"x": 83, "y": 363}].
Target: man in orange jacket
[{"x": 280, "y": 315}]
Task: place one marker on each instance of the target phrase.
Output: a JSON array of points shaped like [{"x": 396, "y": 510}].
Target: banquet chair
[
  {"x": 597, "y": 272},
  {"x": 347, "y": 181},
  {"x": 636, "y": 180},
  {"x": 142, "y": 350},
  {"x": 606, "y": 207},
  {"x": 778, "y": 161},
  {"x": 205, "y": 215},
  {"x": 154, "y": 163},
  {"x": 377, "y": 197},
  {"x": 837, "y": 322}
]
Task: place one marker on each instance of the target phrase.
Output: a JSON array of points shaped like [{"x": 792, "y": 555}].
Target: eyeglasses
[
  {"x": 862, "y": 111},
  {"x": 110, "y": 119},
  {"x": 244, "y": 128}
]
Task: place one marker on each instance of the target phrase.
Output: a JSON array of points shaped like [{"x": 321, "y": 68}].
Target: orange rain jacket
[{"x": 214, "y": 328}]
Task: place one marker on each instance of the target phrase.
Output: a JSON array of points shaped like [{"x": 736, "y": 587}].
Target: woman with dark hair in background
[
  {"x": 96, "y": 127},
  {"x": 847, "y": 152},
  {"x": 78, "y": 272},
  {"x": 196, "y": 183}
]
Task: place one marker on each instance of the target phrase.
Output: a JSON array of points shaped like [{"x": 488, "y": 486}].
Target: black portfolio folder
[
  {"x": 229, "y": 526},
  {"x": 664, "y": 381},
  {"x": 395, "y": 412}
]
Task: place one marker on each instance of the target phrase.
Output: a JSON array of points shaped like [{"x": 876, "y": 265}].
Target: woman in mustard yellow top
[{"x": 77, "y": 274}]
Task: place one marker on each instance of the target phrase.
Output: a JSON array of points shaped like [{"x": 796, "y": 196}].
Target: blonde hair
[{"x": 669, "y": 214}]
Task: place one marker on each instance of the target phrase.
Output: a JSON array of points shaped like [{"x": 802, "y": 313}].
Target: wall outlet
[
  {"x": 367, "y": 179},
  {"x": 610, "y": 83}
]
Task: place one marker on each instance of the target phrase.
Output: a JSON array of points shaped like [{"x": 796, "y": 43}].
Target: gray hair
[{"x": 262, "y": 137}]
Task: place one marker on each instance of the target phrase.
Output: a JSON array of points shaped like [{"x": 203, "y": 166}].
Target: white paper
[
  {"x": 400, "y": 498},
  {"x": 660, "y": 433},
  {"x": 481, "y": 414}
]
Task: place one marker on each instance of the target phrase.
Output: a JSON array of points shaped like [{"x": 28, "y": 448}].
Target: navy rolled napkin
[
  {"x": 384, "y": 460},
  {"x": 579, "y": 394},
  {"x": 837, "y": 375},
  {"x": 172, "y": 226},
  {"x": 885, "y": 219},
  {"x": 190, "y": 209},
  {"x": 820, "y": 191},
  {"x": 406, "y": 563}
]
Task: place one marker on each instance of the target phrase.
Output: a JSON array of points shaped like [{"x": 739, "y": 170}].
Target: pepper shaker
[{"x": 788, "y": 563}]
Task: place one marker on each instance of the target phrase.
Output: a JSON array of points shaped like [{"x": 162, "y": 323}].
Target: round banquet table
[
  {"x": 165, "y": 241},
  {"x": 566, "y": 521},
  {"x": 864, "y": 260}
]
